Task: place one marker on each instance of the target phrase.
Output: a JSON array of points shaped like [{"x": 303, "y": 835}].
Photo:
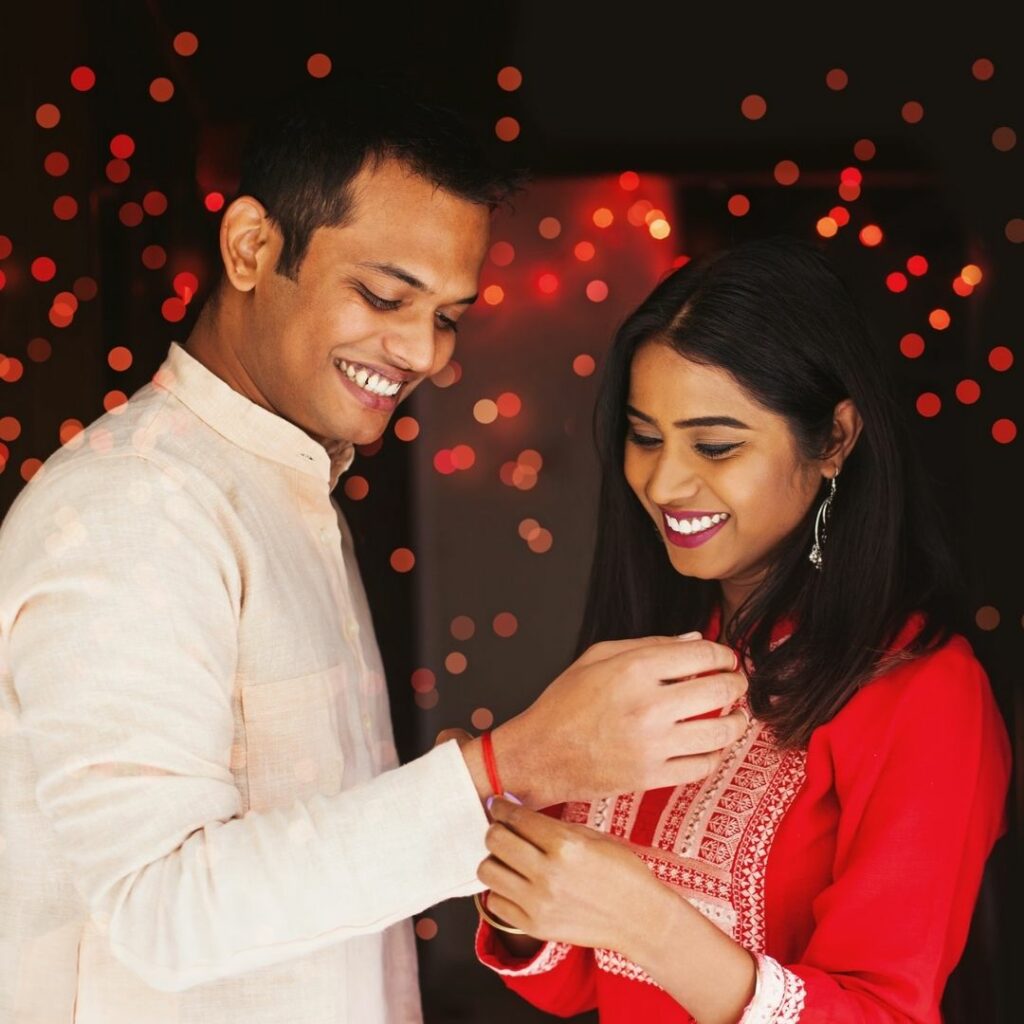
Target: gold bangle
[{"x": 493, "y": 921}]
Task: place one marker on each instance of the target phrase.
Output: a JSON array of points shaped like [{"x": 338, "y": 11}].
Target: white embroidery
[
  {"x": 610, "y": 962},
  {"x": 779, "y": 995},
  {"x": 550, "y": 956}
]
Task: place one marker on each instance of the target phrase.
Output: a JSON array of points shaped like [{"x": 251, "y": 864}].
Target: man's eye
[
  {"x": 377, "y": 302},
  {"x": 717, "y": 451},
  {"x": 642, "y": 440}
]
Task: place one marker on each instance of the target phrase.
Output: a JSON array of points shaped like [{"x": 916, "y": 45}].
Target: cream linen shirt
[{"x": 201, "y": 816}]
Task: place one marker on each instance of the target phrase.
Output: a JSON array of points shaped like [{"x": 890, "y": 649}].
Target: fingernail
[{"x": 695, "y": 635}]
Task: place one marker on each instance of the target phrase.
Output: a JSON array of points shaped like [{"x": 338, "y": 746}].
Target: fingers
[
  {"x": 707, "y": 735},
  {"x": 693, "y": 697},
  {"x": 535, "y": 828},
  {"x": 500, "y": 878},
  {"x": 611, "y": 648},
  {"x": 513, "y": 850},
  {"x": 678, "y": 659}
]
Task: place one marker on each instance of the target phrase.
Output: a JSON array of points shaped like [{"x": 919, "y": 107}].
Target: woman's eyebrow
[{"x": 697, "y": 421}]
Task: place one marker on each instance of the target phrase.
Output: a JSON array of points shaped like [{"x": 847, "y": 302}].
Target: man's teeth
[
  {"x": 368, "y": 380},
  {"x": 698, "y": 524}
]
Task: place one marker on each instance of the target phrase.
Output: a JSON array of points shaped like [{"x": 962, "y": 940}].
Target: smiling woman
[{"x": 826, "y": 868}]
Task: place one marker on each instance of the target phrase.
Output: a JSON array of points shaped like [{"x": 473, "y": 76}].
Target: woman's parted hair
[{"x": 776, "y": 316}]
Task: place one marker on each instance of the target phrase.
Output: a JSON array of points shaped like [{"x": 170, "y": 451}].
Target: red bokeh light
[
  {"x": 912, "y": 112},
  {"x": 69, "y": 430},
  {"x": 509, "y": 404},
  {"x": 848, "y": 193},
  {"x": 154, "y": 257},
  {"x": 494, "y": 295},
  {"x": 407, "y": 428},
  {"x": 837, "y": 79},
  {"x": 510, "y": 78},
  {"x": 738, "y": 205},
  {"x": 864, "y": 150},
  {"x": 939, "y": 319},
  {"x": 583, "y": 365},
  {"x": 961, "y": 287},
  {"x": 584, "y": 251},
  {"x": 356, "y": 488},
  {"x": 423, "y": 680},
  {"x": 154, "y": 203},
  {"x": 85, "y": 288},
  {"x": 851, "y": 176},
  {"x": 753, "y": 107},
  {"x": 65, "y": 207},
  {"x": 1004, "y": 431},
  {"x": 912, "y": 345},
  {"x": 47, "y": 115},
  {"x": 186, "y": 284},
  {"x": 443, "y": 462},
  {"x": 214, "y": 201},
  {"x": 83, "y": 78},
  {"x": 29, "y": 468},
  {"x": 122, "y": 146},
  {"x": 186, "y": 44},
  {"x": 983, "y": 69},
  {"x": 43, "y": 268},
  {"x": 629, "y": 181},
  {"x": 118, "y": 171},
  {"x": 1000, "y": 359},
  {"x": 56, "y": 164},
  {"x": 114, "y": 400},
  {"x": 119, "y": 358},
  {"x": 463, "y": 457},
  {"x": 39, "y": 350},
  {"x": 502, "y": 253},
  {"x": 173, "y": 310},
  {"x": 871, "y": 235},
  {"x": 827, "y": 227},
  {"x": 929, "y": 404},
  {"x": 505, "y": 624},
  {"x": 841, "y": 215},
  {"x": 507, "y": 129},
  {"x": 917, "y": 265},
  {"x": 319, "y": 65},
  {"x": 130, "y": 215},
  {"x": 968, "y": 391},
  {"x": 548, "y": 283},
  {"x": 597, "y": 291},
  {"x": 787, "y": 172},
  {"x": 161, "y": 90},
  {"x": 402, "y": 560},
  {"x": 896, "y": 282},
  {"x": 6, "y": 247}
]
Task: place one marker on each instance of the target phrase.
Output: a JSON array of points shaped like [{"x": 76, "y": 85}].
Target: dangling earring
[{"x": 821, "y": 526}]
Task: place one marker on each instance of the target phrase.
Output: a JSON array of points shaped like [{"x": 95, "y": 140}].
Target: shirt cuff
[
  {"x": 778, "y": 994},
  {"x": 492, "y": 953}
]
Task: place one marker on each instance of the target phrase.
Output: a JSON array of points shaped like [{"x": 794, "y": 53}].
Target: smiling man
[{"x": 202, "y": 818}]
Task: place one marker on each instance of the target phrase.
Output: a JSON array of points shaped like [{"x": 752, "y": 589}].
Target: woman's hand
[{"x": 566, "y": 883}]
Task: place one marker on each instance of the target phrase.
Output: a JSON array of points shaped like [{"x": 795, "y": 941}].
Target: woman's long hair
[{"x": 776, "y": 317}]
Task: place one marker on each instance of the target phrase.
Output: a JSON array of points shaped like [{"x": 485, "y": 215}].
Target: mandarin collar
[{"x": 246, "y": 424}]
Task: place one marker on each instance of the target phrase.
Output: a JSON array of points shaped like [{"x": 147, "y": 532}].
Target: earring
[{"x": 821, "y": 526}]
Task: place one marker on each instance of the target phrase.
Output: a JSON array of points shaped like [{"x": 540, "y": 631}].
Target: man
[{"x": 202, "y": 818}]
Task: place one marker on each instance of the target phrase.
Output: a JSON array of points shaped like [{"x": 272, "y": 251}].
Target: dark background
[{"x": 605, "y": 89}]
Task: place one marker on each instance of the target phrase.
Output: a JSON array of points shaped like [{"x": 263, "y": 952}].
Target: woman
[{"x": 827, "y": 869}]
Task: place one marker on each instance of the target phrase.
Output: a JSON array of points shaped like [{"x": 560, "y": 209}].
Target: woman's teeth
[
  {"x": 696, "y": 525},
  {"x": 368, "y": 380}
]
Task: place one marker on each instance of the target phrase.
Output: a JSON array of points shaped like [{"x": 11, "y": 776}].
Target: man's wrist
[{"x": 520, "y": 764}]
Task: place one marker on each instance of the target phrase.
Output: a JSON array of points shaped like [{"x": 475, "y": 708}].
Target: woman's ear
[{"x": 846, "y": 428}]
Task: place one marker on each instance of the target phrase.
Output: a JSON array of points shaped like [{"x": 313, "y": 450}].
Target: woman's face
[{"x": 719, "y": 474}]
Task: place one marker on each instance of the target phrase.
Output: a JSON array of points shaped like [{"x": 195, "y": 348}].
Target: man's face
[{"x": 373, "y": 310}]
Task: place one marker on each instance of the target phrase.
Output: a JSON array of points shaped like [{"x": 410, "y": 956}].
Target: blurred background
[{"x": 652, "y": 135}]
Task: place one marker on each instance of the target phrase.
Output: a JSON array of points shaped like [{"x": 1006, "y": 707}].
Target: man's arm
[{"x": 121, "y": 622}]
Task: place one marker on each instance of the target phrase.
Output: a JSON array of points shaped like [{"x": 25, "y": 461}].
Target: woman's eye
[
  {"x": 446, "y": 323},
  {"x": 642, "y": 440},
  {"x": 717, "y": 451},
  {"x": 377, "y": 302}
]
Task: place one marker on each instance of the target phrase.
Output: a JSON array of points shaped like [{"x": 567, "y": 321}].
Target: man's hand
[{"x": 624, "y": 717}]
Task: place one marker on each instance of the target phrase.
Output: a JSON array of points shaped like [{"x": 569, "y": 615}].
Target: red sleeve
[
  {"x": 921, "y": 761},
  {"x": 559, "y": 979}
]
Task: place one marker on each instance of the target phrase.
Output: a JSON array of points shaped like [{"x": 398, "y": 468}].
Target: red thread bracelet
[{"x": 491, "y": 764}]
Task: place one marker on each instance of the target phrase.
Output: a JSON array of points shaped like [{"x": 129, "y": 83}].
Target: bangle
[
  {"x": 491, "y": 764},
  {"x": 481, "y": 906}
]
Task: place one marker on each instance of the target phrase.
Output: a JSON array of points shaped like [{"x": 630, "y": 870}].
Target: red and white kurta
[{"x": 849, "y": 868}]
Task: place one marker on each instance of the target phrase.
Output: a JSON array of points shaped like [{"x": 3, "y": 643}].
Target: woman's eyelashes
[
  {"x": 445, "y": 323},
  {"x": 708, "y": 449}
]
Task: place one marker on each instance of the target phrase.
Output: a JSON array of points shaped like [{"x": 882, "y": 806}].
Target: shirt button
[{"x": 367, "y": 722}]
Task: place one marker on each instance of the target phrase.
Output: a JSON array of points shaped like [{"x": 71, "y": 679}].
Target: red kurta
[{"x": 850, "y": 868}]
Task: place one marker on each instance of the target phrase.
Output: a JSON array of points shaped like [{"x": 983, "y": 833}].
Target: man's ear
[{"x": 246, "y": 237}]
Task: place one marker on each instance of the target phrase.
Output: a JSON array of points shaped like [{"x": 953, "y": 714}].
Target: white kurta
[{"x": 201, "y": 817}]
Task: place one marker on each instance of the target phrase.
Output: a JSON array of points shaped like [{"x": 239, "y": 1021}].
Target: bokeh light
[
  {"x": 549, "y": 227},
  {"x": 738, "y": 205},
  {"x": 912, "y": 112},
  {"x": 6, "y": 247},
  {"x": 917, "y": 265},
  {"x": 185, "y": 44},
  {"x": 402, "y": 560},
  {"x": 482, "y": 718},
  {"x": 85, "y": 288},
  {"x": 541, "y": 542},
  {"x": 186, "y": 284},
  {"x": 896, "y": 282},
  {"x": 69, "y": 430},
  {"x": 122, "y": 146},
  {"x": 826, "y": 227},
  {"x": 629, "y": 181},
  {"x": 870, "y": 235},
  {"x": 154, "y": 257},
  {"x": 10, "y": 428},
  {"x": 509, "y": 404},
  {"x": 214, "y": 201},
  {"x": 423, "y": 680},
  {"x": 983, "y": 69},
  {"x": 548, "y": 283},
  {"x": 864, "y": 150},
  {"x": 407, "y": 428},
  {"x": 510, "y": 78},
  {"x": 130, "y": 215},
  {"x": 426, "y": 929},
  {"x": 319, "y": 65},
  {"x": 462, "y": 627},
  {"x": 173, "y": 310},
  {"x": 584, "y": 251},
  {"x": 659, "y": 228},
  {"x": 119, "y": 358},
  {"x": 463, "y": 456},
  {"x": 356, "y": 488},
  {"x": 753, "y": 107},
  {"x": 972, "y": 274},
  {"x": 83, "y": 78},
  {"x": 968, "y": 391},
  {"x": 1004, "y": 431},
  {"x": 786, "y": 172},
  {"x": 597, "y": 291},
  {"x": 161, "y": 90},
  {"x": 505, "y": 624},
  {"x": 118, "y": 171},
  {"x": 841, "y": 215},
  {"x": 56, "y": 164},
  {"x": 912, "y": 345},
  {"x": 502, "y": 254},
  {"x": 39, "y": 350},
  {"x": 47, "y": 115},
  {"x": 65, "y": 207},
  {"x": 115, "y": 401},
  {"x": 30, "y": 467},
  {"x": 456, "y": 663},
  {"x": 603, "y": 217},
  {"x": 1004, "y": 139},
  {"x": 583, "y": 365},
  {"x": 43, "y": 268},
  {"x": 1000, "y": 358},
  {"x": 928, "y": 404},
  {"x": 507, "y": 129},
  {"x": 485, "y": 411},
  {"x": 987, "y": 618},
  {"x": 1015, "y": 230},
  {"x": 837, "y": 79},
  {"x": 528, "y": 528},
  {"x": 154, "y": 203},
  {"x": 939, "y": 319}
]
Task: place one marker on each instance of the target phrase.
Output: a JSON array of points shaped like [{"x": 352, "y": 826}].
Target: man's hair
[{"x": 301, "y": 156}]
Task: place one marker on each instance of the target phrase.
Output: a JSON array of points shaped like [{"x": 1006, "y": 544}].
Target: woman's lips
[{"x": 689, "y": 529}]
